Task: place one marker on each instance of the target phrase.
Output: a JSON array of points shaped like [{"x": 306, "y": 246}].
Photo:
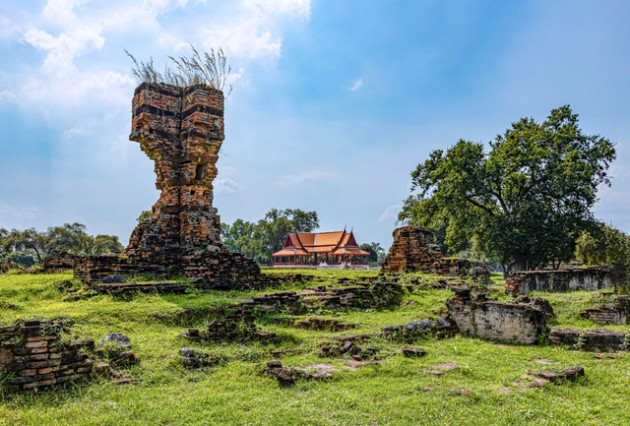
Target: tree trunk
[{"x": 520, "y": 262}]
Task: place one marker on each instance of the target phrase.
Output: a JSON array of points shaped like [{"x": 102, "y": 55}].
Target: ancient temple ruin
[
  {"x": 181, "y": 129},
  {"x": 414, "y": 250}
]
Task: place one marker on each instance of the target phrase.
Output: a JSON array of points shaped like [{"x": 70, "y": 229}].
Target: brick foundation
[{"x": 34, "y": 356}]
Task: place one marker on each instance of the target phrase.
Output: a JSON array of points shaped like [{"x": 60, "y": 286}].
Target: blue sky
[{"x": 334, "y": 102}]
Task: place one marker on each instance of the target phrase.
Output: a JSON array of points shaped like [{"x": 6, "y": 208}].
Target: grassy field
[{"x": 486, "y": 388}]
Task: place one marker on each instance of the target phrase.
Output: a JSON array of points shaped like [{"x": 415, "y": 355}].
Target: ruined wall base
[
  {"x": 490, "y": 319},
  {"x": 218, "y": 270},
  {"x": 590, "y": 340},
  {"x": 560, "y": 280}
]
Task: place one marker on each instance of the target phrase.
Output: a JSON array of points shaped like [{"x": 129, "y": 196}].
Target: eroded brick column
[{"x": 181, "y": 130}]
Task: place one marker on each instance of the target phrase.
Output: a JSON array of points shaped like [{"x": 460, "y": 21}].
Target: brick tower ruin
[
  {"x": 181, "y": 130},
  {"x": 414, "y": 250}
]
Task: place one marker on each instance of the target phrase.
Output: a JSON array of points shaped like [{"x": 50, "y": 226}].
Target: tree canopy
[
  {"x": 524, "y": 201},
  {"x": 17, "y": 245},
  {"x": 260, "y": 240}
]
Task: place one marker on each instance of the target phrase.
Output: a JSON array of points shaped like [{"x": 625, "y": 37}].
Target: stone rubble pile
[
  {"x": 192, "y": 358},
  {"x": 237, "y": 326},
  {"x": 615, "y": 314},
  {"x": 417, "y": 329},
  {"x": 490, "y": 319}
]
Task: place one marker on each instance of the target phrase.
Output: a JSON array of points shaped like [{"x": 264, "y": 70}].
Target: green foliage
[
  {"x": 144, "y": 216},
  {"x": 605, "y": 246},
  {"x": 525, "y": 201},
  {"x": 27, "y": 247},
  {"x": 260, "y": 240},
  {"x": 377, "y": 254}
]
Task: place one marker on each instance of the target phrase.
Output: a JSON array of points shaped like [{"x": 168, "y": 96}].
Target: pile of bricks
[
  {"x": 615, "y": 314},
  {"x": 414, "y": 250},
  {"x": 324, "y": 324},
  {"x": 380, "y": 295},
  {"x": 238, "y": 326},
  {"x": 414, "y": 330},
  {"x": 34, "y": 356}
]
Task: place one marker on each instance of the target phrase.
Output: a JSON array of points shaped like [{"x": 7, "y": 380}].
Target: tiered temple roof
[{"x": 338, "y": 243}]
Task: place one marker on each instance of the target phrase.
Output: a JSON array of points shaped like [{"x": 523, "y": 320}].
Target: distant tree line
[
  {"x": 259, "y": 240},
  {"x": 29, "y": 247}
]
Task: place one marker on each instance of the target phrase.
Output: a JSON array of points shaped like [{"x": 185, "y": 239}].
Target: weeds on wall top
[{"x": 210, "y": 69}]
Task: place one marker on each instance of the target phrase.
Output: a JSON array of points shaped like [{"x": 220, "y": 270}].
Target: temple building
[{"x": 333, "y": 249}]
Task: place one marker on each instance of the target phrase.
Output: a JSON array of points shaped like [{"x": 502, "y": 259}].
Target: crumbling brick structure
[
  {"x": 34, "y": 356},
  {"x": 414, "y": 250},
  {"x": 181, "y": 130},
  {"x": 615, "y": 314},
  {"x": 490, "y": 319},
  {"x": 590, "y": 340},
  {"x": 60, "y": 263},
  {"x": 524, "y": 282}
]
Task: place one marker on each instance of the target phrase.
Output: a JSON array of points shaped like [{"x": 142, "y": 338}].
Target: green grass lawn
[{"x": 485, "y": 389}]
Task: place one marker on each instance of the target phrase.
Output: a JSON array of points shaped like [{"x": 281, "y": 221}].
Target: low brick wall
[
  {"x": 560, "y": 280},
  {"x": 490, "y": 319},
  {"x": 63, "y": 262},
  {"x": 33, "y": 356}
]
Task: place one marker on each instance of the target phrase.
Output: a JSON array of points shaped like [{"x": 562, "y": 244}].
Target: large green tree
[
  {"x": 524, "y": 201},
  {"x": 260, "y": 240}
]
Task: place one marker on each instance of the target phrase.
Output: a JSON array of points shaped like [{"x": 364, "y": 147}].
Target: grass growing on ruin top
[{"x": 483, "y": 389}]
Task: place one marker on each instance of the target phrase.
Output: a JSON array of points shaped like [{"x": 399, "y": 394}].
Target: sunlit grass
[{"x": 395, "y": 392}]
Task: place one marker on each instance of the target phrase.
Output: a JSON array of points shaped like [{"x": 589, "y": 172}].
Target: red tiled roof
[{"x": 334, "y": 243}]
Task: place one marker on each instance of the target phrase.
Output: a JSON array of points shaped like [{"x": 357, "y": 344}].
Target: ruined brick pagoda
[
  {"x": 414, "y": 250},
  {"x": 181, "y": 130}
]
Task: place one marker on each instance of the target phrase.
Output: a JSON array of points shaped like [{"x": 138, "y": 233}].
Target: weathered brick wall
[
  {"x": 590, "y": 340},
  {"x": 524, "y": 282},
  {"x": 490, "y": 319},
  {"x": 33, "y": 356},
  {"x": 53, "y": 264}
]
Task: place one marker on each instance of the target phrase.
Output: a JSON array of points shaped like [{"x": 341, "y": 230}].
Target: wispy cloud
[
  {"x": 226, "y": 186},
  {"x": 390, "y": 213},
  {"x": 356, "y": 85},
  {"x": 310, "y": 176}
]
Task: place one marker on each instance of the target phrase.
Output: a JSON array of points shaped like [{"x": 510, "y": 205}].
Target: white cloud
[
  {"x": 390, "y": 213},
  {"x": 310, "y": 176},
  {"x": 299, "y": 8},
  {"x": 73, "y": 132},
  {"x": 226, "y": 186},
  {"x": 7, "y": 95},
  {"x": 356, "y": 85}
]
